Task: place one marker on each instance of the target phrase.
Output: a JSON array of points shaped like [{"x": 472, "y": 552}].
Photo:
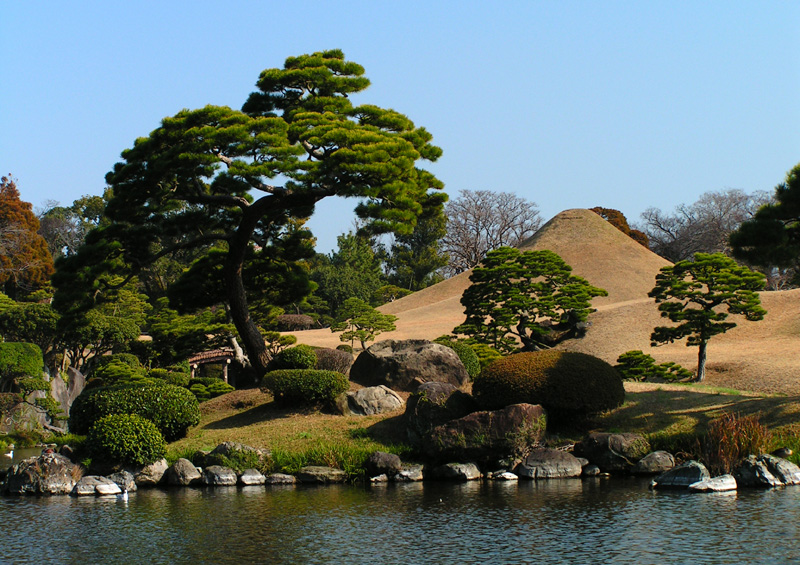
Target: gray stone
[
  {"x": 785, "y": 471},
  {"x": 722, "y": 483},
  {"x": 406, "y": 364},
  {"x": 590, "y": 470},
  {"x": 125, "y": 480},
  {"x": 613, "y": 453},
  {"x": 92, "y": 485},
  {"x": 754, "y": 472},
  {"x": 152, "y": 474},
  {"x": 280, "y": 479},
  {"x": 546, "y": 463},
  {"x": 379, "y": 479},
  {"x": 219, "y": 476},
  {"x": 487, "y": 435},
  {"x": 782, "y": 452},
  {"x": 456, "y": 472},
  {"x": 49, "y": 473},
  {"x": 654, "y": 463},
  {"x": 380, "y": 463},
  {"x": 434, "y": 404},
  {"x": 321, "y": 475},
  {"x": 409, "y": 474},
  {"x": 373, "y": 400},
  {"x": 682, "y": 476},
  {"x": 250, "y": 477},
  {"x": 504, "y": 476},
  {"x": 183, "y": 473}
]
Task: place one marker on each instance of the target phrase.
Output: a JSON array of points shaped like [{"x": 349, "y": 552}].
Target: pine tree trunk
[{"x": 701, "y": 362}]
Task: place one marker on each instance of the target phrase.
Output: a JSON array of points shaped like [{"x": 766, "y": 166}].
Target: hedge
[
  {"x": 126, "y": 439},
  {"x": 172, "y": 409},
  {"x": 305, "y": 387}
]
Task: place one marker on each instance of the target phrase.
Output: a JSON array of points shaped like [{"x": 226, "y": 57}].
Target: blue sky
[{"x": 625, "y": 105}]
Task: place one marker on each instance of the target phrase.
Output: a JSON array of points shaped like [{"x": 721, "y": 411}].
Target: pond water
[{"x": 561, "y": 521}]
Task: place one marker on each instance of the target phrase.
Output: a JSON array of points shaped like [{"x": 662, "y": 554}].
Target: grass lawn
[{"x": 671, "y": 415}]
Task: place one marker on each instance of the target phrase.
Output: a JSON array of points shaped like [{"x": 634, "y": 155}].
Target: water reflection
[{"x": 570, "y": 521}]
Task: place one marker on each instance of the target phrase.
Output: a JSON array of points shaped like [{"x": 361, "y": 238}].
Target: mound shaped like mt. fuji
[{"x": 753, "y": 356}]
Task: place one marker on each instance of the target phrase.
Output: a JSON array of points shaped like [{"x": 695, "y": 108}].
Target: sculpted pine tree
[
  {"x": 217, "y": 177},
  {"x": 358, "y": 320},
  {"x": 529, "y": 298},
  {"x": 696, "y": 295}
]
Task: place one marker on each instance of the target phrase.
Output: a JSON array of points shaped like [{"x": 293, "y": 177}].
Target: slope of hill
[{"x": 760, "y": 356}]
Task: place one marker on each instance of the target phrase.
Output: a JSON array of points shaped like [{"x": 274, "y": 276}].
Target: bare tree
[
  {"x": 703, "y": 227},
  {"x": 479, "y": 221}
]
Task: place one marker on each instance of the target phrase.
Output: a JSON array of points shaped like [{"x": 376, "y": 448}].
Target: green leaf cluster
[
  {"x": 298, "y": 357},
  {"x": 528, "y": 298},
  {"x": 18, "y": 360}
]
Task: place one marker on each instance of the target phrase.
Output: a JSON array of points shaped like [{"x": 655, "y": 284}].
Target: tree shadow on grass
[
  {"x": 255, "y": 415},
  {"x": 390, "y": 431},
  {"x": 690, "y": 411}
]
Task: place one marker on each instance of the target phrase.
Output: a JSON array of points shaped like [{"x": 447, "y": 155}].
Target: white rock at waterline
[{"x": 717, "y": 484}]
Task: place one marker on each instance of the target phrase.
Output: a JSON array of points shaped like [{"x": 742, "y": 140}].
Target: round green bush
[
  {"x": 128, "y": 359},
  {"x": 117, "y": 372},
  {"x": 305, "y": 387},
  {"x": 345, "y": 347},
  {"x": 565, "y": 383},
  {"x": 298, "y": 357},
  {"x": 172, "y": 409},
  {"x": 126, "y": 439}
]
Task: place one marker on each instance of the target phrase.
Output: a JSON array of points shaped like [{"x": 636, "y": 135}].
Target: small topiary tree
[
  {"x": 566, "y": 383},
  {"x": 126, "y": 439},
  {"x": 298, "y": 357},
  {"x": 360, "y": 321},
  {"x": 305, "y": 387},
  {"x": 638, "y": 366},
  {"x": 177, "y": 378}
]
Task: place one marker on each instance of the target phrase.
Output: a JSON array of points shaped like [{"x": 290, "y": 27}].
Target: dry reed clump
[{"x": 731, "y": 438}]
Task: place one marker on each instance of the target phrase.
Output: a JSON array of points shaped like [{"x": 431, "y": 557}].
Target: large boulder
[
  {"x": 432, "y": 405},
  {"x": 406, "y": 364},
  {"x": 183, "y": 473},
  {"x": 682, "y": 476},
  {"x": 50, "y": 473},
  {"x": 613, "y": 453},
  {"x": 487, "y": 435},
  {"x": 545, "y": 463},
  {"x": 373, "y": 400}
]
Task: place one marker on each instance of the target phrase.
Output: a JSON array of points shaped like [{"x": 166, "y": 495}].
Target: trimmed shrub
[
  {"x": 200, "y": 391},
  {"x": 305, "y": 387},
  {"x": 177, "y": 378},
  {"x": 219, "y": 388},
  {"x": 294, "y": 322},
  {"x": 172, "y": 409},
  {"x": 18, "y": 359},
  {"x": 298, "y": 357},
  {"x": 117, "y": 372},
  {"x": 345, "y": 347},
  {"x": 128, "y": 359},
  {"x": 565, "y": 383},
  {"x": 126, "y": 439},
  {"x": 333, "y": 360},
  {"x": 638, "y": 366}
]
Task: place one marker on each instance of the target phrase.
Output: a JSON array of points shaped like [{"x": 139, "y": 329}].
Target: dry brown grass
[{"x": 755, "y": 356}]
